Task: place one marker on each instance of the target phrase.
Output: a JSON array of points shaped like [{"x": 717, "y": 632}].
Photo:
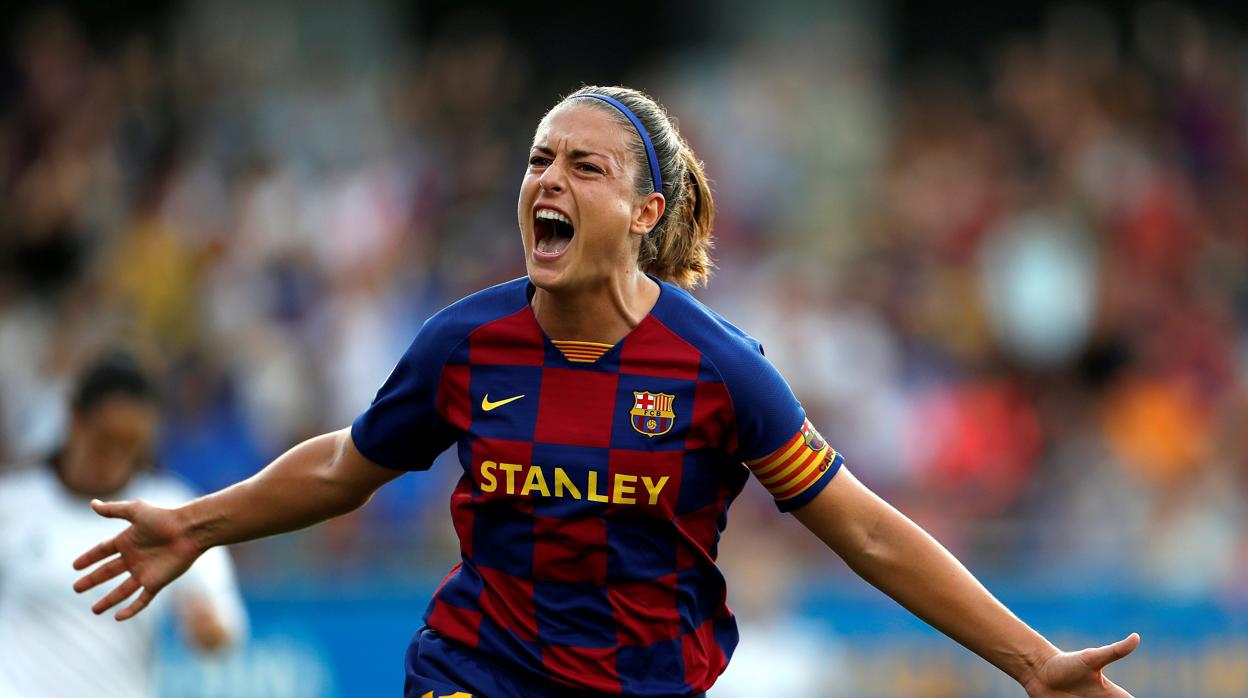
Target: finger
[
  {"x": 101, "y": 574},
  {"x": 139, "y": 604},
  {"x": 117, "y": 595},
  {"x": 106, "y": 549},
  {"x": 1097, "y": 657},
  {"x": 114, "y": 510},
  {"x": 1116, "y": 691}
]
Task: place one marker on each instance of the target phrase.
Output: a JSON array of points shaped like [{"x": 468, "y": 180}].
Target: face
[
  {"x": 580, "y": 216},
  {"x": 107, "y": 443}
]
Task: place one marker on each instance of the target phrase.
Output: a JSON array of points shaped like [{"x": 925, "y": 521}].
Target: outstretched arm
[
  {"x": 320, "y": 478},
  {"x": 892, "y": 553}
]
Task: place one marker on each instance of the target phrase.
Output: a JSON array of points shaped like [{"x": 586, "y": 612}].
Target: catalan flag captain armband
[{"x": 793, "y": 468}]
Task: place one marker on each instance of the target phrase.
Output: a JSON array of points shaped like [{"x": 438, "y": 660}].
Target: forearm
[
  {"x": 903, "y": 561},
  {"x": 298, "y": 489}
]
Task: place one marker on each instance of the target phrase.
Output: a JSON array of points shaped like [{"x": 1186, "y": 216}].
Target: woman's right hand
[{"x": 155, "y": 550}]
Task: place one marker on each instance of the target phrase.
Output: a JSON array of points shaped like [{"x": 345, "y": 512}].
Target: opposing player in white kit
[{"x": 48, "y": 646}]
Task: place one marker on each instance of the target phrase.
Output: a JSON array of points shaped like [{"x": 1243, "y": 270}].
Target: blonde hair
[{"x": 678, "y": 248}]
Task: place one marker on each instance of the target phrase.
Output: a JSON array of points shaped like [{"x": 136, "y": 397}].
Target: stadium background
[{"x": 1001, "y": 255}]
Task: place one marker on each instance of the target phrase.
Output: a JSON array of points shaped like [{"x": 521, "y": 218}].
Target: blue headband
[{"x": 641, "y": 131}]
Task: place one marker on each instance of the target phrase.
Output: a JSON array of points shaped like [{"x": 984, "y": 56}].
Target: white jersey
[{"x": 51, "y": 644}]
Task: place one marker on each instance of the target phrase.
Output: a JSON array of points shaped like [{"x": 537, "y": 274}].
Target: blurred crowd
[{"x": 1014, "y": 293}]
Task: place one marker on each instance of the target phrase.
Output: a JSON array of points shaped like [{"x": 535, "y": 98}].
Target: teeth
[{"x": 548, "y": 214}]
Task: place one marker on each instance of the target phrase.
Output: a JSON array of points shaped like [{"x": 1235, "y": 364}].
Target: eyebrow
[{"x": 575, "y": 153}]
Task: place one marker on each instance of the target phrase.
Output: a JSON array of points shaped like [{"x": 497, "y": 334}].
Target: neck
[{"x": 602, "y": 313}]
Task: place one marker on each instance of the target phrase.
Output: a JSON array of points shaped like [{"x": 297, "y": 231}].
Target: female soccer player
[
  {"x": 604, "y": 420},
  {"x": 48, "y": 646}
]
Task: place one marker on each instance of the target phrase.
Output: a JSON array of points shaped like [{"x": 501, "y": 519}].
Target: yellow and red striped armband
[{"x": 791, "y": 469}]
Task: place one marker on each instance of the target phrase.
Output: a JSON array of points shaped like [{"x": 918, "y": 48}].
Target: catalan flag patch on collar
[
  {"x": 581, "y": 352},
  {"x": 791, "y": 469}
]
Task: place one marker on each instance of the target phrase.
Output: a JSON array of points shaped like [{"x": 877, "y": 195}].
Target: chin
[
  {"x": 547, "y": 278},
  {"x": 550, "y": 283},
  {"x": 102, "y": 489}
]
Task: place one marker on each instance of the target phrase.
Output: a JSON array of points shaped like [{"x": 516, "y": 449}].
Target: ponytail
[{"x": 678, "y": 249}]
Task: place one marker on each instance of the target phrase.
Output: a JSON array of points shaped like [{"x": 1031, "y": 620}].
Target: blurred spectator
[{"x": 50, "y": 645}]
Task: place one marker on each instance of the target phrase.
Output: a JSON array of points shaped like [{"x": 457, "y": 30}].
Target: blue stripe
[{"x": 641, "y": 131}]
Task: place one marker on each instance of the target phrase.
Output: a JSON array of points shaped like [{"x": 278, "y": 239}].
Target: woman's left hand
[{"x": 1079, "y": 674}]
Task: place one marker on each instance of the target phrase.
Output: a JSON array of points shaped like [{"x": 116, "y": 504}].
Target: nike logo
[{"x": 487, "y": 405}]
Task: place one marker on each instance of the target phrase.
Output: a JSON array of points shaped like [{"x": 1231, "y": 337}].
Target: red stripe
[
  {"x": 776, "y": 466},
  {"x": 769, "y": 458},
  {"x": 808, "y": 459},
  {"x": 801, "y": 486}
]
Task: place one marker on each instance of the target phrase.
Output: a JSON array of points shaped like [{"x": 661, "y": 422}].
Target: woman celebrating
[{"x": 605, "y": 419}]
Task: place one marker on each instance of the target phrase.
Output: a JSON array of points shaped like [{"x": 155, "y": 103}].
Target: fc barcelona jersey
[{"x": 594, "y": 492}]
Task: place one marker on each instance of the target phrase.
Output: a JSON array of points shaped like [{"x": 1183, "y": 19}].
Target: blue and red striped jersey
[{"x": 595, "y": 491}]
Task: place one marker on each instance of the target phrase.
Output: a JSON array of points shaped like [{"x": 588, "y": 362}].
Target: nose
[{"x": 552, "y": 179}]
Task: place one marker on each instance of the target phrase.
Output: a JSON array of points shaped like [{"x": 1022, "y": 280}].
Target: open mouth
[{"x": 552, "y": 232}]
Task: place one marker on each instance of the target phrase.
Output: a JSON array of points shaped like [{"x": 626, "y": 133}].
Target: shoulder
[
  {"x": 764, "y": 407},
  {"x": 733, "y": 353},
  {"x": 451, "y": 325},
  {"x": 26, "y": 488},
  {"x": 19, "y": 483}
]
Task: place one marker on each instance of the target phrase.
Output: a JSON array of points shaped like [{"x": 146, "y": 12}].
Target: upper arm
[
  {"x": 844, "y": 514},
  {"x": 775, "y": 440},
  {"x": 356, "y": 470}
]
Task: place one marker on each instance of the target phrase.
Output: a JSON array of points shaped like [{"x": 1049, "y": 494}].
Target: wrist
[
  {"x": 1031, "y": 660},
  {"x": 193, "y": 527}
]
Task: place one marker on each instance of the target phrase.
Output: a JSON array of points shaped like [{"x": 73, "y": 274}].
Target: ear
[{"x": 647, "y": 214}]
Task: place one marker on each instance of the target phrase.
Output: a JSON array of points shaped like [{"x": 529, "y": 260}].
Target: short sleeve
[
  {"x": 775, "y": 439},
  {"x": 402, "y": 428}
]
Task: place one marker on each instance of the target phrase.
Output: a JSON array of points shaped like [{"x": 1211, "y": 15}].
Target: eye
[
  {"x": 539, "y": 161},
  {"x": 587, "y": 167}
]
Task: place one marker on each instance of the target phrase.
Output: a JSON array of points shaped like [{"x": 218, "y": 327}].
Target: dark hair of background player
[{"x": 114, "y": 373}]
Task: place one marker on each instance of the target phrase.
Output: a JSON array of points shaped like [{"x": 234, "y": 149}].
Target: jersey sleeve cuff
[
  {"x": 409, "y": 462},
  {"x": 798, "y": 469},
  {"x": 804, "y": 497}
]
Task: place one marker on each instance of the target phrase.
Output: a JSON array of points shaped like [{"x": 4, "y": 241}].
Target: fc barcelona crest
[
  {"x": 813, "y": 440},
  {"x": 652, "y": 413}
]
